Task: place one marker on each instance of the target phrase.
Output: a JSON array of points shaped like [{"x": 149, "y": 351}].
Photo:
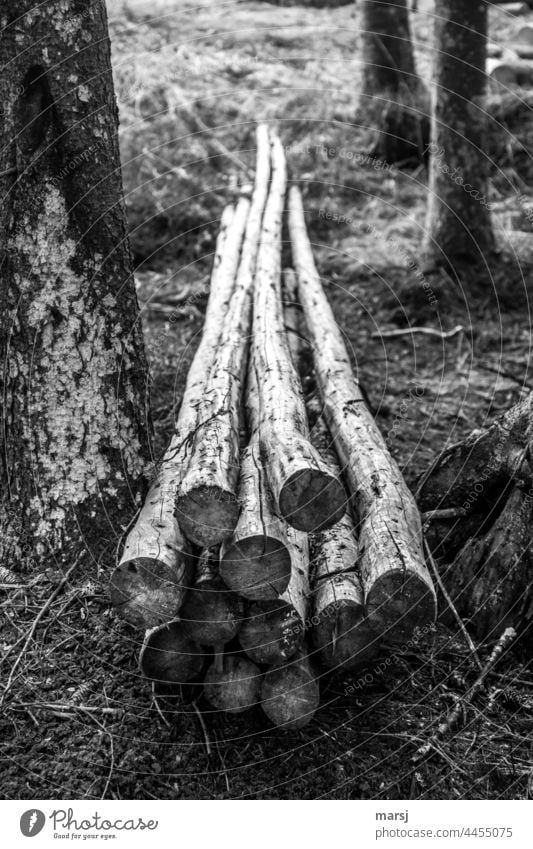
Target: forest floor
[{"x": 78, "y": 720}]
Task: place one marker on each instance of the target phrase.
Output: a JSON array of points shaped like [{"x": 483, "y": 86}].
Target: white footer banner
[{"x": 252, "y": 825}]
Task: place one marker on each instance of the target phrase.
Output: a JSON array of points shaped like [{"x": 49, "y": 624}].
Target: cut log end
[
  {"x": 343, "y": 636},
  {"x": 169, "y": 655},
  {"x": 144, "y": 593},
  {"x": 397, "y": 604},
  {"x": 211, "y": 614},
  {"x": 257, "y": 567},
  {"x": 234, "y": 686},
  {"x": 207, "y": 515},
  {"x": 312, "y": 500},
  {"x": 272, "y": 632},
  {"x": 290, "y": 695}
]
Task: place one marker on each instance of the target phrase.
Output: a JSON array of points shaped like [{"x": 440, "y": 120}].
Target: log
[
  {"x": 234, "y": 685},
  {"x": 398, "y": 588},
  {"x": 256, "y": 563},
  {"x": 341, "y": 632},
  {"x": 471, "y": 474},
  {"x": 491, "y": 579},
  {"x": 304, "y": 492},
  {"x": 211, "y": 614},
  {"x": 206, "y": 505},
  {"x": 169, "y": 655},
  {"x": 290, "y": 694},
  {"x": 149, "y": 584},
  {"x": 523, "y": 51},
  {"x": 274, "y": 629},
  {"x": 524, "y": 35},
  {"x": 517, "y": 72}
]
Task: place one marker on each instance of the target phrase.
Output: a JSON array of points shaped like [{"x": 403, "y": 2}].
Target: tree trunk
[
  {"x": 209, "y": 483},
  {"x": 233, "y": 685},
  {"x": 304, "y": 492},
  {"x": 290, "y": 694},
  {"x": 152, "y": 577},
  {"x": 399, "y": 591},
  {"x": 75, "y": 432},
  {"x": 394, "y": 98},
  {"x": 211, "y": 614},
  {"x": 389, "y": 62},
  {"x": 459, "y": 228}
]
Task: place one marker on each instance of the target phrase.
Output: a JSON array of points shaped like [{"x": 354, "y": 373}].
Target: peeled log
[
  {"x": 274, "y": 630},
  {"x": 207, "y": 507},
  {"x": 514, "y": 72},
  {"x": 290, "y": 694},
  {"x": 341, "y": 631},
  {"x": 233, "y": 686},
  {"x": 211, "y": 614},
  {"x": 149, "y": 584},
  {"x": 169, "y": 655},
  {"x": 398, "y": 588},
  {"x": 304, "y": 492},
  {"x": 256, "y": 562}
]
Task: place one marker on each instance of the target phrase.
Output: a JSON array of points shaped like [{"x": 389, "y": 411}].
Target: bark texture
[
  {"x": 458, "y": 225},
  {"x": 304, "y": 492},
  {"x": 491, "y": 580},
  {"x": 399, "y": 591},
  {"x": 75, "y": 434},
  {"x": 154, "y": 572},
  {"x": 213, "y": 464}
]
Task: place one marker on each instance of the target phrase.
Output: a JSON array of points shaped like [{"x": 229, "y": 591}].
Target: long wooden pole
[{"x": 399, "y": 590}]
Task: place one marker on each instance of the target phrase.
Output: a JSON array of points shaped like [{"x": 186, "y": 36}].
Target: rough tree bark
[
  {"x": 480, "y": 493},
  {"x": 75, "y": 434},
  {"x": 458, "y": 228}
]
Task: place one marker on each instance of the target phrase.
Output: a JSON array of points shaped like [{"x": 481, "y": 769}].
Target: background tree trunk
[
  {"x": 458, "y": 224},
  {"x": 74, "y": 440},
  {"x": 394, "y": 99},
  {"x": 389, "y": 62}
]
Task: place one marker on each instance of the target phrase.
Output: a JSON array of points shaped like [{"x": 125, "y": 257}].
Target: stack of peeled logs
[{"x": 266, "y": 550}]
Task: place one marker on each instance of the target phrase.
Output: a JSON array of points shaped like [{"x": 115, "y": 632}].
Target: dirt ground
[{"x": 77, "y": 719}]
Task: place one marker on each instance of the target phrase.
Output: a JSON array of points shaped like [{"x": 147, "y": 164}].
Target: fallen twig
[
  {"x": 32, "y": 630},
  {"x": 454, "y": 716},
  {"x": 451, "y": 605},
  {"x": 427, "y": 331}
]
